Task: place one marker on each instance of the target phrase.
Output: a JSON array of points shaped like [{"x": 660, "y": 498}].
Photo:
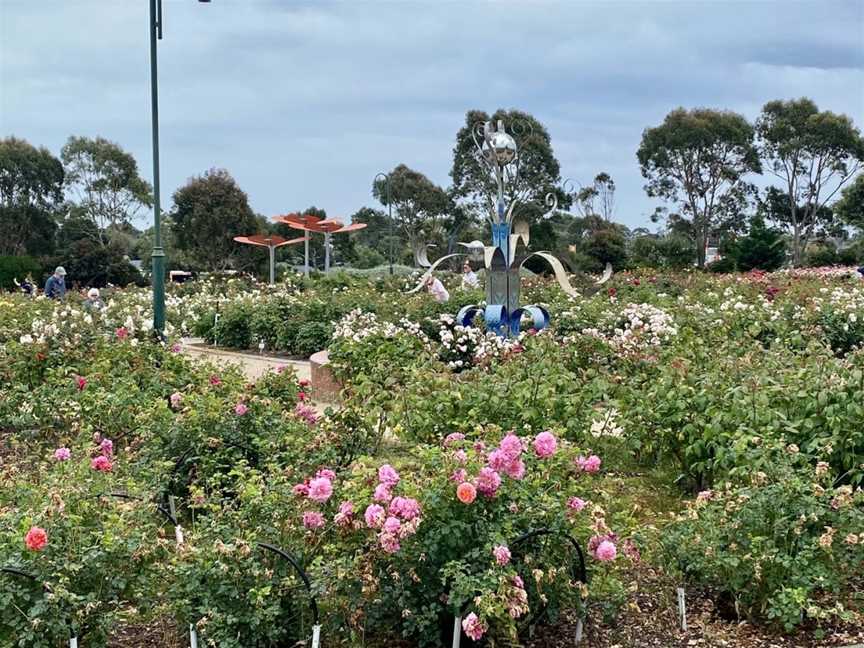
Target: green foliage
[
  {"x": 17, "y": 267},
  {"x": 209, "y": 211},
  {"x": 774, "y": 546},
  {"x": 105, "y": 178},
  {"x": 699, "y": 159},
  {"x": 762, "y": 248},
  {"x": 813, "y": 153},
  {"x": 850, "y": 207}
]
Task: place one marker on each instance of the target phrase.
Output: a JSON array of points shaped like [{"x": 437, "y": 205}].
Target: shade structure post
[
  {"x": 272, "y": 249},
  {"x": 306, "y": 258},
  {"x": 326, "y": 252}
]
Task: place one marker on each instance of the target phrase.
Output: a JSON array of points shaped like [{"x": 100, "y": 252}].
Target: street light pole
[
  {"x": 158, "y": 258},
  {"x": 386, "y": 178}
]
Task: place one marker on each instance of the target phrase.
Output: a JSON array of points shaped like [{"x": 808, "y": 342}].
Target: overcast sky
[{"x": 304, "y": 102}]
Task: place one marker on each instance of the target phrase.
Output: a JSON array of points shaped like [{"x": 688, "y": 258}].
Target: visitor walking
[
  {"x": 435, "y": 288},
  {"x": 55, "y": 287},
  {"x": 469, "y": 278}
]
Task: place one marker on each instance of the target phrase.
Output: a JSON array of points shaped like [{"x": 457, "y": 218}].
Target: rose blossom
[
  {"x": 405, "y": 507},
  {"x": 382, "y": 493},
  {"x": 81, "y": 383},
  {"x": 453, "y": 438},
  {"x": 387, "y": 475},
  {"x": 374, "y": 516},
  {"x": 576, "y": 504},
  {"x": 473, "y": 627},
  {"x": 101, "y": 463},
  {"x": 545, "y": 444},
  {"x": 346, "y": 511},
  {"x": 327, "y": 473},
  {"x": 502, "y": 554},
  {"x": 460, "y": 456},
  {"x": 511, "y": 445},
  {"x": 320, "y": 489},
  {"x": 589, "y": 465},
  {"x": 36, "y": 538},
  {"x": 466, "y": 492},
  {"x": 176, "y": 399},
  {"x": 62, "y": 454},
  {"x": 122, "y": 333},
  {"x": 240, "y": 409},
  {"x": 215, "y": 380},
  {"x": 606, "y": 551},
  {"x": 488, "y": 481},
  {"x": 313, "y": 520},
  {"x": 392, "y": 525},
  {"x": 107, "y": 447},
  {"x": 301, "y": 490},
  {"x": 389, "y": 542},
  {"x": 515, "y": 469},
  {"x": 459, "y": 476}
]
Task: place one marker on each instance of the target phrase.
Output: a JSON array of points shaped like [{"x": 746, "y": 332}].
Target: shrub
[
  {"x": 17, "y": 267},
  {"x": 774, "y": 546}
]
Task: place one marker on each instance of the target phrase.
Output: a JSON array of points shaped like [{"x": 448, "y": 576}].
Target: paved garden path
[{"x": 252, "y": 364}]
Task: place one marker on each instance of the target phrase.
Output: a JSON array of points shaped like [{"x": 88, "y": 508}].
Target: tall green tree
[
  {"x": 31, "y": 189},
  {"x": 763, "y": 247},
  {"x": 813, "y": 153},
  {"x": 850, "y": 207},
  {"x": 700, "y": 159},
  {"x": 104, "y": 180},
  {"x": 538, "y": 170},
  {"x": 209, "y": 211},
  {"x": 598, "y": 198},
  {"x": 420, "y": 207}
]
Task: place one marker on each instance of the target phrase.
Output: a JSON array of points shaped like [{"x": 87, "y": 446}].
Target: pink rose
[
  {"x": 346, "y": 512},
  {"x": 460, "y": 456},
  {"x": 215, "y": 380},
  {"x": 176, "y": 399},
  {"x": 405, "y": 508},
  {"x": 589, "y": 465},
  {"x": 382, "y": 493},
  {"x": 545, "y": 444},
  {"x": 121, "y": 333},
  {"x": 472, "y": 627},
  {"x": 301, "y": 490},
  {"x": 387, "y": 475},
  {"x": 62, "y": 454},
  {"x": 392, "y": 525},
  {"x": 80, "y": 382},
  {"x": 511, "y": 445},
  {"x": 107, "y": 447},
  {"x": 389, "y": 542},
  {"x": 320, "y": 489},
  {"x": 101, "y": 463},
  {"x": 240, "y": 409},
  {"x": 453, "y": 438},
  {"x": 374, "y": 516},
  {"x": 313, "y": 520},
  {"x": 327, "y": 473},
  {"x": 502, "y": 555},
  {"x": 576, "y": 504},
  {"x": 606, "y": 551},
  {"x": 488, "y": 481},
  {"x": 36, "y": 538}
]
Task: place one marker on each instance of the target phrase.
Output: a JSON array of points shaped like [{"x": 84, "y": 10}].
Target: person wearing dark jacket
[{"x": 55, "y": 287}]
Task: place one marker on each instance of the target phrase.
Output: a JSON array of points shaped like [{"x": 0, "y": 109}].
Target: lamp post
[
  {"x": 386, "y": 178},
  {"x": 158, "y": 256}
]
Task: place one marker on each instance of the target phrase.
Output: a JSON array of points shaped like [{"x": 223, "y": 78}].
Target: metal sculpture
[
  {"x": 508, "y": 253},
  {"x": 271, "y": 242},
  {"x": 309, "y": 223}
]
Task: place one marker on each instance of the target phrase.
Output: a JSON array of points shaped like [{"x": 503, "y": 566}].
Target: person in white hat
[
  {"x": 55, "y": 287},
  {"x": 93, "y": 301}
]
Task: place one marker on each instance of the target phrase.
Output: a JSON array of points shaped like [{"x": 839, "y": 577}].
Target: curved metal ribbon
[
  {"x": 539, "y": 318},
  {"x": 557, "y": 269},
  {"x": 431, "y": 269},
  {"x": 466, "y": 314}
]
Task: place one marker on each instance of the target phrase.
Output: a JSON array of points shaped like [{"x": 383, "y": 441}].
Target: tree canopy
[
  {"x": 699, "y": 159},
  {"x": 31, "y": 189},
  {"x": 105, "y": 181},
  {"x": 813, "y": 153},
  {"x": 209, "y": 211}
]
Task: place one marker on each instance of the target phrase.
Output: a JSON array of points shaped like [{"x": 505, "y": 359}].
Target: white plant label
[
  {"x": 178, "y": 534},
  {"x": 578, "y": 631},
  {"x": 457, "y": 631},
  {"x": 682, "y": 608},
  {"x": 316, "y": 636},
  {"x": 193, "y": 637},
  {"x": 73, "y": 642}
]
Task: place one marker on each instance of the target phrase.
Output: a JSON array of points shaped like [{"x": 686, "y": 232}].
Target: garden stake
[
  {"x": 457, "y": 631},
  {"x": 578, "y": 631},
  {"x": 682, "y": 609},
  {"x": 193, "y": 636},
  {"x": 316, "y": 636},
  {"x": 73, "y": 642}
]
